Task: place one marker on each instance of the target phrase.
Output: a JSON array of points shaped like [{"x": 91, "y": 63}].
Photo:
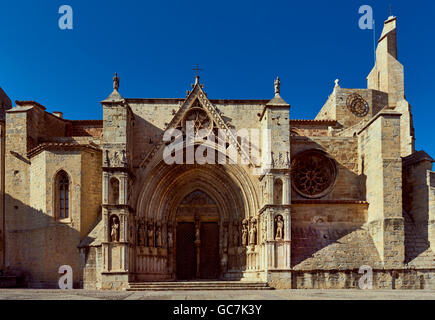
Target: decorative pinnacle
[
  {"x": 277, "y": 86},
  {"x": 116, "y": 82},
  {"x": 337, "y": 83}
]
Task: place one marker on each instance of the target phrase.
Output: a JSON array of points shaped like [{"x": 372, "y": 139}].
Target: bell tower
[{"x": 276, "y": 193}]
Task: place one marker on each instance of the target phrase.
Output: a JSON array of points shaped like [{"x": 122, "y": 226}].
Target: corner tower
[
  {"x": 276, "y": 192},
  {"x": 388, "y": 76}
]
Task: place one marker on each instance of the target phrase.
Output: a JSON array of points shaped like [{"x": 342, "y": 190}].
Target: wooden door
[
  {"x": 209, "y": 266},
  {"x": 185, "y": 251}
]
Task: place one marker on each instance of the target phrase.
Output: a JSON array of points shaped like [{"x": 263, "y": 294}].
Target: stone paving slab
[{"x": 42, "y": 294}]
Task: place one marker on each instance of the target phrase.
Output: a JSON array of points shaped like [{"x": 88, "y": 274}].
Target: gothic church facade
[{"x": 344, "y": 191}]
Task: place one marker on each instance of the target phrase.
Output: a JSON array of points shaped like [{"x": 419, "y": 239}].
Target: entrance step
[
  {"x": 197, "y": 285},
  {"x": 8, "y": 282}
]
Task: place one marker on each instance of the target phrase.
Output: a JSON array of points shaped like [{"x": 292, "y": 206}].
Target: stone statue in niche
[
  {"x": 151, "y": 235},
  {"x": 159, "y": 236},
  {"x": 114, "y": 233},
  {"x": 144, "y": 232},
  {"x": 279, "y": 228},
  {"x": 253, "y": 233},
  {"x": 225, "y": 240},
  {"x": 236, "y": 234},
  {"x": 245, "y": 233},
  {"x": 170, "y": 240}
]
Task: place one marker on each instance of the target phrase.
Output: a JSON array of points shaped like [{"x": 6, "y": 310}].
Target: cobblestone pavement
[{"x": 31, "y": 294}]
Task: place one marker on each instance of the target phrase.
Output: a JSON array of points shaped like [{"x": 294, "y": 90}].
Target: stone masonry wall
[
  {"x": 382, "y": 165},
  {"x": 431, "y": 178}
]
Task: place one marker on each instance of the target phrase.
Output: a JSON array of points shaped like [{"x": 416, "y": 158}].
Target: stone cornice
[
  {"x": 416, "y": 157},
  {"x": 60, "y": 146},
  {"x": 382, "y": 113},
  {"x": 322, "y": 202}
]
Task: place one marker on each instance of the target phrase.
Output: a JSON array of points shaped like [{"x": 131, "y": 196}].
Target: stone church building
[{"x": 331, "y": 196}]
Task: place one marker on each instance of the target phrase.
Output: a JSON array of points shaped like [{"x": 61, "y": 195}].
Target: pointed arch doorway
[{"x": 197, "y": 238}]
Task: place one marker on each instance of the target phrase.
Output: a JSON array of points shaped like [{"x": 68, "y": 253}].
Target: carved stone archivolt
[
  {"x": 313, "y": 174},
  {"x": 357, "y": 105}
]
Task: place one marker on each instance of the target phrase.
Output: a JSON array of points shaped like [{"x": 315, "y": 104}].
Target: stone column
[
  {"x": 105, "y": 187},
  {"x": 286, "y": 190},
  {"x": 123, "y": 189}
]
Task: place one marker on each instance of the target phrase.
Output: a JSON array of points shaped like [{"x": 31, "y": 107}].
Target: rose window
[
  {"x": 313, "y": 174},
  {"x": 357, "y": 105}
]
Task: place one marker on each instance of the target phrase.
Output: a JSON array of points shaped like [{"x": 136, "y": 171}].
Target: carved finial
[
  {"x": 277, "y": 86},
  {"x": 116, "y": 82},
  {"x": 337, "y": 83}
]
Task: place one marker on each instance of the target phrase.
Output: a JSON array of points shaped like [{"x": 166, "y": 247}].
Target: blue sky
[{"x": 241, "y": 45}]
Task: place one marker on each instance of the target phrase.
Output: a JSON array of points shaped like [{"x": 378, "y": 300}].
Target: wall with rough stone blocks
[
  {"x": 91, "y": 191},
  {"x": 349, "y": 279},
  {"x": 382, "y": 165},
  {"x": 331, "y": 236},
  {"x": 45, "y": 243},
  {"x": 336, "y": 106},
  {"x": 407, "y": 135},
  {"x": 431, "y": 178}
]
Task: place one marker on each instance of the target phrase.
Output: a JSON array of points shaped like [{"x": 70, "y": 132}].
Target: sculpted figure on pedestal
[
  {"x": 279, "y": 228},
  {"x": 151, "y": 235},
  {"x": 253, "y": 235},
  {"x": 159, "y": 237},
  {"x": 114, "y": 234},
  {"x": 245, "y": 233},
  {"x": 236, "y": 234}
]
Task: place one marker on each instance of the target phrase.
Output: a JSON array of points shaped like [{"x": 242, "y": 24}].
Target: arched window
[
  {"x": 277, "y": 191},
  {"x": 62, "y": 195},
  {"x": 114, "y": 191}
]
